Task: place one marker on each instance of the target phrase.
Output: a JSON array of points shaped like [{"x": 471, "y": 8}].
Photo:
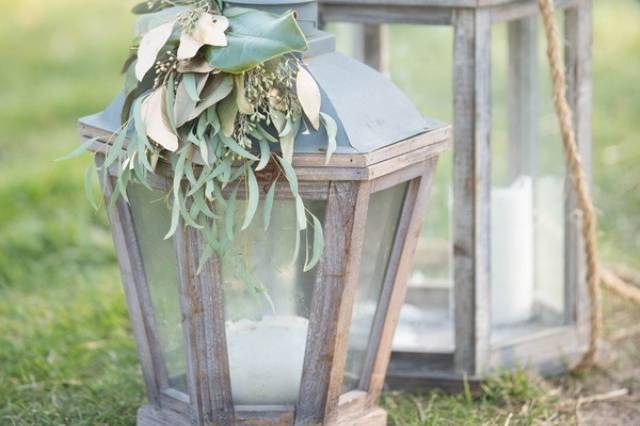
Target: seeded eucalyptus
[{"x": 219, "y": 95}]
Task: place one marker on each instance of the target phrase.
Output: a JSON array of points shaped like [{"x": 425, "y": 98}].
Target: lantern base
[
  {"x": 149, "y": 415},
  {"x": 423, "y": 372}
]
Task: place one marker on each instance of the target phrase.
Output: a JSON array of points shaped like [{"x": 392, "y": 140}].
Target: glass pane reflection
[
  {"x": 382, "y": 223},
  {"x": 151, "y": 221}
]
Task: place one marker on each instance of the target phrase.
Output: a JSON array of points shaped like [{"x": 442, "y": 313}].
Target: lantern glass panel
[
  {"x": 151, "y": 220},
  {"x": 267, "y": 305},
  {"x": 426, "y": 319},
  {"x": 383, "y": 218},
  {"x": 527, "y": 196}
]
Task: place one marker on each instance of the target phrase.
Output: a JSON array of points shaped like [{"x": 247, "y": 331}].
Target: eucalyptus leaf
[
  {"x": 235, "y": 147},
  {"x": 81, "y": 149},
  {"x": 290, "y": 174},
  {"x": 189, "y": 82},
  {"x": 171, "y": 101},
  {"x": 115, "y": 150},
  {"x": 175, "y": 217},
  {"x": 178, "y": 172},
  {"x": 266, "y": 135},
  {"x": 252, "y": 199},
  {"x": 318, "y": 244},
  {"x": 268, "y": 204},
  {"x": 288, "y": 139},
  {"x": 254, "y": 37},
  {"x": 152, "y": 19},
  {"x": 230, "y": 214},
  {"x": 214, "y": 91},
  {"x": 141, "y": 141},
  {"x": 265, "y": 155},
  {"x": 301, "y": 218},
  {"x": 331, "y": 128}
]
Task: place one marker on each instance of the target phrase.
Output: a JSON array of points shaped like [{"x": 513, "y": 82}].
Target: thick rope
[{"x": 578, "y": 178}]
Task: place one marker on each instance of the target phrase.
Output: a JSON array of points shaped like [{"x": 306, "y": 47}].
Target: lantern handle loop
[{"x": 578, "y": 180}]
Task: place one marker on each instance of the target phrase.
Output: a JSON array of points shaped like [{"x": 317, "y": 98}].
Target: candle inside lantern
[
  {"x": 512, "y": 254},
  {"x": 266, "y": 358}
]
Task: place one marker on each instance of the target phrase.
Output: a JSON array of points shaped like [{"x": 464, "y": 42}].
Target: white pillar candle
[
  {"x": 512, "y": 254},
  {"x": 266, "y": 358}
]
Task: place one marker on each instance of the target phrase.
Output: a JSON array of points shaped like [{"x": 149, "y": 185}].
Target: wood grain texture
[
  {"x": 472, "y": 188},
  {"x": 440, "y": 132},
  {"x": 203, "y": 322},
  {"x": 395, "y": 283},
  {"x": 264, "y": 415},
  {"x": 152, "y": 416},
  {"x": 332, "y": 303}
]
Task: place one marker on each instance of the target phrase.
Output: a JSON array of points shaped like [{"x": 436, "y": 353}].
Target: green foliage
[
  {"x": 215, "y": 123},
  {"x": 255, "y": 37},
  {"x": 67, "y": 355}
]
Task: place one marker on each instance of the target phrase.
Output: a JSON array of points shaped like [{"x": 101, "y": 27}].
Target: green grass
[{"x": 66, "y": 350}]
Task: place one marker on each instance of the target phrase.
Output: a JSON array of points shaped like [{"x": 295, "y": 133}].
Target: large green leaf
[{"x": 254, "y": 37}]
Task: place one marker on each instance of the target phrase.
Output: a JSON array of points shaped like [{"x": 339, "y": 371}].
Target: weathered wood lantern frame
[
  {"x": 346, "y": 183},
  {"x": 549, "y": 350}
]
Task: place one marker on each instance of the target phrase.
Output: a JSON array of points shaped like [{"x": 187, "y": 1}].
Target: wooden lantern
[
  {"x": 516, "y": 292},
  {"x": 250, "y": 337}
]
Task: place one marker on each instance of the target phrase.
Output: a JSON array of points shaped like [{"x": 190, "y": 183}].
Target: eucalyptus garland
[{"x": 218, "y": 94}]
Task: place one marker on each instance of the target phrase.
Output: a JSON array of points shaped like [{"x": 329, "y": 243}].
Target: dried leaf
[
  {"x": 209, "y": 30},
  {"x": 227, "y": 112},
  {"x": 309, "y": 96},
  {"x": 195, "y": 65},
  {"x": 243, "y": 104},
  {"x": 188, "y": 47},
  {"x": 150, "y": 46},
  {"x": 156, "y": 122}
]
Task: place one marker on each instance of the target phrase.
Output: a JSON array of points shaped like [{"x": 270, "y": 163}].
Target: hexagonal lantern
[
  {"x": 252, "y": 338},
  {"x": 499, "y": 282}
]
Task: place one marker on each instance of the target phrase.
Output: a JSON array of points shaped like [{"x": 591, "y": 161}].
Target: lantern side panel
[
  {"x": 383, "y": 217},
  {"x": 151, "y": 221},
  {"x": 527, "y": 194},
  {"x": 267, "y": 303}
]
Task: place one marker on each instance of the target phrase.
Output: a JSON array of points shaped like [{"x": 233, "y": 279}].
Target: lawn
[{"x": 66, "y": 350}]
